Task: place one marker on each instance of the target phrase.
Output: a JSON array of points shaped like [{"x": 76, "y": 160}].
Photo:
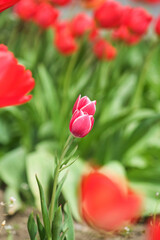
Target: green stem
[
  {"x": 65, "y": 149},
  {"x": 141, "y": 81}
]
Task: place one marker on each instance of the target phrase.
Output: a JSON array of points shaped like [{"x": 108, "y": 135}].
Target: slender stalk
[
  {"x": 141, "y": 81},
  {"x": 65, "y": 149}
]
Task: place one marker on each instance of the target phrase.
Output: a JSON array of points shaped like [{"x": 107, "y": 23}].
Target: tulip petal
[
  {"x": 81, "y": 126},
  {"x": 76, "y": 104},
  {"x": 90, "y": 108}
]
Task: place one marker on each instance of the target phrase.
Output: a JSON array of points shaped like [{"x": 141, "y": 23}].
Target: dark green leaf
[
  {"x": 41, "y": 230},
  {"x": 32, "y": 227},
  {"x": 44, "y": 210},
  {"x": 69, "y": 222}
]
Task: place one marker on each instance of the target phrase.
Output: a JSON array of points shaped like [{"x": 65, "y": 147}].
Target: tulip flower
[
  {"x": 122, "y": 33},
  {"x": 157, "y": 26},
  {"x": 81, "y": 24},
  {"x": 61, "y": 2},
  {"x": 137, "y": 20},
  {"x": 4, "y": 4},
  {"x": 45, "y": 15},
  {"x": 25, "y": 9},
  {"x": 104, "y": 50},
  {"x": 85, "y": 104},
  {"x": 15, "y": 81},
  {"x": 105, "y": 204},
  {"x": 153, "y": 229},
  {"x": 108, "y": 15},
  {"x": 81, "y": 124}
]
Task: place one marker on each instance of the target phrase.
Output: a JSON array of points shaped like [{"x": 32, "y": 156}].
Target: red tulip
[
  {"x": 104, "y": 50},
  {"x": 45, "y": 15},
  {"x": 25, "y": 9},
  {"x": 81, "y": 124},
  {"x": 65, "y": 42},
  {"x": 61, "y": 2},
  {"x": 4, "y": 4},
  {"x": 15, "y": 81},
  {"x": 109, "y": 14},
  {"x": 125, "y": 35},
  {"x": 153, "y": 230},
  {"x": 94, "y": 34},
  {"x": 104, "y": 204},
  {"x": 85, "y": 104},
  {"x": 81, "y": 24},
  {"x": 157, "y": 26},
  {"x": 137, "y": 20}
]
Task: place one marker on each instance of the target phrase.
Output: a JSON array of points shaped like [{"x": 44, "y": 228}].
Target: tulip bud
[
  {"x": 109, "y": 14},
  {"x": 104, "y": 50},
  {"x": 85, "y": 104},
  {"x": 81, "y": 124},
  {"x": 157, "y": 26},
  {"x": 81, "y": 24}
]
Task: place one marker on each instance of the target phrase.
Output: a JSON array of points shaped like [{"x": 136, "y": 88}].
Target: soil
[{"x": 17, "y": 229}]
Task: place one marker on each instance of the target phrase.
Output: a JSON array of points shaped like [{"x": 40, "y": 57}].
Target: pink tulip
[
  {"x": 81, "y": 124},
  {"x": 85, "y": 104}
]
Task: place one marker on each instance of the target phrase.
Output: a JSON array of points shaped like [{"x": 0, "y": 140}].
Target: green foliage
[{"x": 32, "y": 227}]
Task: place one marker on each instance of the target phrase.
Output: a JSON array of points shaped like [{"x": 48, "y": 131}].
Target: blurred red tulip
[
  {"x": 45, "y": 15},
  {"x": 157, "y": 26},
  {"x": 61, "y": 2},
  {"x": 137, "y": 20},
  {"x": 81, "y": 124},
  {"x": 94, "y": 34},
  {"x": 81, "y": 24},
  {"x": 123, "y": 34},
  {"x": 65, "y": 43},
  {"x": 105, "y": 205},
  {"x": 109, "y": 14},
  {"x": 15, "y": 81},
  {"x": 92, "y": 3},
  {"x": 25, "y": 9},
  {"x": 104, "y": 50},
  {"x": 4, "y": 4},
  {"x": 153, "y": 229},
  {"x": 85, "y": 104}
]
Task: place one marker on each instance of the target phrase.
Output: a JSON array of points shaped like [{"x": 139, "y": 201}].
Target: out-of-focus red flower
[
  {"x": 61, "y": 2},
  {"x": 15, "y": 81},
  {"x": 153, "y": 229},
  {"x": 148, "y": 1},
  {"x": 81, "y": 124},
  {"x": 157, "y": 26},
  {"x": 65, "y": 43},
  {"x": 137, "y": 20},
  {"x": 25, "y": 9},
  {"x": 4, "y": 4},
  {"x": 45, "y": 15},
  {"x": 123, "y": 34},
  {"x": 85, "y": 104},
  {"x": 92, "y": 3},
  {"x": 104, "y": 204},
  {"x": 81, "y": 24},
  {"x": 104, "y": 50},
  {"x": 108, "y": 15},
  {"x": 94, "y": 34}
]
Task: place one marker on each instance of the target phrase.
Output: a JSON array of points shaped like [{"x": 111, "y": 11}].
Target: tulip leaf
[
  {"x": 41, "y": 229},
  {"x": 69, "y": 222},
  {"x": 32, "y": 227},
  {"x": 44, "y": 210}
]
